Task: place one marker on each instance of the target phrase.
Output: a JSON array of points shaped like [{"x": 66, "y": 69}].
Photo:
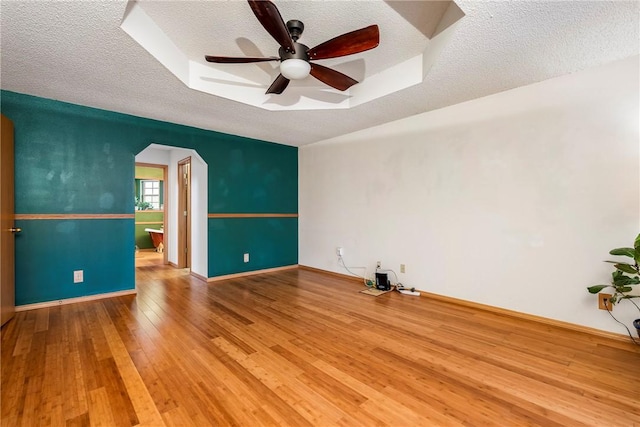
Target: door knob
[{"x": 15, "y": 230}]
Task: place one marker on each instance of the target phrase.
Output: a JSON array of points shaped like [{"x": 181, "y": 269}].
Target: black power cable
[{"x": 606, "y": 305}]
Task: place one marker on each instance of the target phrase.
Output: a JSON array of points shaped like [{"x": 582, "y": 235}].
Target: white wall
[
  {"x": 512, "y": 200},
  {"x": 170, "y": 156}
]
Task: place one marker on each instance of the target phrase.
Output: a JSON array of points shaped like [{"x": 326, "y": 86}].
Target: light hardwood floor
[
  {"x": 148, "y": 258},
  {"x": 299, "y": 348}
]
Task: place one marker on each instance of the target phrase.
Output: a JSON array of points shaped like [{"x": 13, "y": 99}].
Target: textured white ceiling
[{"x": 77, "y": 52}]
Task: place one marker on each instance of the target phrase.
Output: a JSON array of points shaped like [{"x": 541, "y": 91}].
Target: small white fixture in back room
[{"x": 246, "y": 257}]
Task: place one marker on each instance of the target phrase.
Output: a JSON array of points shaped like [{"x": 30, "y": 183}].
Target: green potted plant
[
  {"x": 625, "y": 279},
  {"x": 142, "y": 206}
]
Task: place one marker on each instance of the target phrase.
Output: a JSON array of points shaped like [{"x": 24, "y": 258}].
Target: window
[{"x": 150, "y": 192}]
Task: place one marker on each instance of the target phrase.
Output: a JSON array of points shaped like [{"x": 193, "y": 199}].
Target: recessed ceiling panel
[{"x": 180, "y": 34}]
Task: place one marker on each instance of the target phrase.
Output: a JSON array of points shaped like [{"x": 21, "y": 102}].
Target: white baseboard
[
  {"x": 198, "y": 276},
  {"x": 65, "y": 301}
]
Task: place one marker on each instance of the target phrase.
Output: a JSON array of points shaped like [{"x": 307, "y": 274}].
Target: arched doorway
[{"x": 198, "y": 231}]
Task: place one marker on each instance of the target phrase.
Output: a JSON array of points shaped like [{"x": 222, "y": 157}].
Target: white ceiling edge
[
  {"x": 249, "y": 88},
  {"x": 145, "y": 32},
  {"x": 443, "y": 35},
  {"x": 393, "y": 79},
  {"x": 626, "y": 70}
]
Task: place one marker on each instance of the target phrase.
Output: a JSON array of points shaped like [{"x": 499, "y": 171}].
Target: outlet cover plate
[
  {"x": 78, "y": 276},
  {"x": 601, "y": 305}
]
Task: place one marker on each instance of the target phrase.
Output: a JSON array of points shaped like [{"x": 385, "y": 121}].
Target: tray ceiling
[{"x": 77, "y": 52}]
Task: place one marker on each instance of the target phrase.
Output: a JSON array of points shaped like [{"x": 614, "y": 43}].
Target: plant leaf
[
  {"x": 630, "y": 252},
  {"x": 627, "y": 268},
  {"x": 596, "y": 288},
  {"x": 622, "y": 280},
  {"x": 636, "y": 245}
]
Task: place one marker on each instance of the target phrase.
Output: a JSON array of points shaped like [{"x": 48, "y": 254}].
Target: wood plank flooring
[{"x": 301, "y": 348}]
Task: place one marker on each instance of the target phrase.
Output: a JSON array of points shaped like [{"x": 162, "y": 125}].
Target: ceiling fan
[{"x": 295, "y": 57}]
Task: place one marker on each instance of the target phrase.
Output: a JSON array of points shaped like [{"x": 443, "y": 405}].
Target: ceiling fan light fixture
[
  {"x": 294, "y": 57},
  {"x": 295, "y": 69}
]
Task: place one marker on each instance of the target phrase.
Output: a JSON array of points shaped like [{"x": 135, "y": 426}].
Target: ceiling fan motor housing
[{"x": 300, "y": 53}]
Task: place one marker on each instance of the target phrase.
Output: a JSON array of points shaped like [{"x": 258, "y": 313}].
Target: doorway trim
[
  {"x": 184, "y": 213},
  {"x": 7, "y": 223}
]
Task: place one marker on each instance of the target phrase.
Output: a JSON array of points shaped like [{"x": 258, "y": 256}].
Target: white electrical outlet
[
  {"x": 340, "y": 251},
  {"x": 402, "y": 268},
  {"x": 378, "y": 264},
  {"x": 246, "y": 257},
  {"x": 78, "y": 276}
]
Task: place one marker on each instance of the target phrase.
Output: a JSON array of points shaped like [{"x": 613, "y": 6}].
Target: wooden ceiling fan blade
[
  {"x": 331, "y": 77},
  {"x": 279, "y": 85},
  {"x": 347, "y": 44},
  {"x": 270, "y": 18},
  {"x": 238, "y": 60}
]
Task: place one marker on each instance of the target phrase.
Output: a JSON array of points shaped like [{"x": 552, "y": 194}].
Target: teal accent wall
[
  {"x": 71, "y": 159},
  {"x": 268, "y": 241},
  {"x": 48, "y": 252},
  {"x": 267, "y": 168}
]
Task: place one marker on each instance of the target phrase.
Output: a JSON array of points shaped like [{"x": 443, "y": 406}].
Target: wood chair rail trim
[
  {"x": 72, "y": 216},
  {"x": 252, "y": 215}
]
